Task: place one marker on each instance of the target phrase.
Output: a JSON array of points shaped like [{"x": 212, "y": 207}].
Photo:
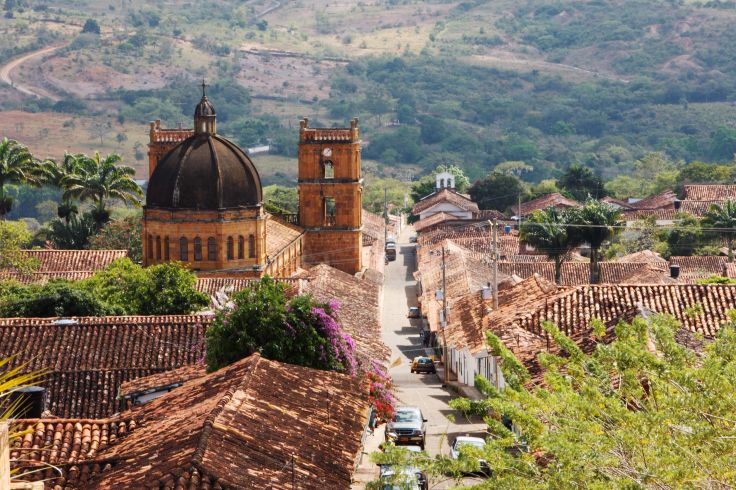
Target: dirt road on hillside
[{"x": 7, "y": 70}]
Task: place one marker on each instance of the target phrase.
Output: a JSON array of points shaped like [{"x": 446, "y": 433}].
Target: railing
[{"x": 330, "y": 221}]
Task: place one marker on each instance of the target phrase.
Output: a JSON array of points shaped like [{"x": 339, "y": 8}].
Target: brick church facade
[{"x": 204, "y": 203}]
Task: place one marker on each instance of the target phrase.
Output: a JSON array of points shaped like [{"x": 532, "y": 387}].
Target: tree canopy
[{"x": 298, "y": 330}]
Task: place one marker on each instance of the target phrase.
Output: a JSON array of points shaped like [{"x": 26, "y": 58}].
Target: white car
[{"x": 477, "y": 442}]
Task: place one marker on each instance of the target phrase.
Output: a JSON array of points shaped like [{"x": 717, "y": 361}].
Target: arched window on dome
[
  {"x": 183, "y": 249},
  {"x": 251, "y": 246},
  {"x": 230, "y": 251},
  {"x": 158, "y": 248},
  {"x": 211, "y": 249},
  {"x": 150, "y": 246},
  {"x": 241, "y": 247},
  {"x": 167, "y": 253},
  {"x": 198, "y": 249}
]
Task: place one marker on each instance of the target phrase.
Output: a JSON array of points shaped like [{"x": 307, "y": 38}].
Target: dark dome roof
[{"x": 204, "y": 171}]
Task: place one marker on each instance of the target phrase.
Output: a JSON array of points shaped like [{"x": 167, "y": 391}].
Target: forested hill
[{"x": 475, "y": 83}]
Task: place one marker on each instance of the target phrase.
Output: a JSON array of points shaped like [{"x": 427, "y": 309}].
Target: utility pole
[
  {"x": 385, "y": 216},
  {"x": 494, "y": 227},
  {"x": 443, "y": 324},
  {"x": 519, "y": 212}
]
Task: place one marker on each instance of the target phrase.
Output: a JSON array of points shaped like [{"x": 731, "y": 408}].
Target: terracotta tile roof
[
  {"x": 359, "y": 307},
  {"x": 279, "y": 234},
  {"x": 476, "y": 238},
  {"x": 176, "y": 376},
  {"x": 709, "y": 192},
  {"x": 572, "y": 310},
  {"x": 617, "y": 202},
  {"x": 485, "y": 214},
  {"x": 695, "y": 268},
  {"x": 556, "y": 200},
  {"x": 645, "y": 256},
  {"x": 573, "y": 273},
  {"x": 240, "y": 427},
  {"x": 373, "y": 228},
  {"x": 697, "y": 208},
  {"x": 445, "y": 195},
  {"x": 659, "y": 214},
  {"x": 649, "y": 275},
  {"x": 88, "y": 359},
  {"x": 211, "y": 285},
  {"x": 209, "y": 434},
  {"x": 434, "y": 220},
  {"x": 65, "y": 264},
  {"x": 66, "y": 441},
  {"x": 730, "y": 270},
  {"x": 662, "y": 200}
]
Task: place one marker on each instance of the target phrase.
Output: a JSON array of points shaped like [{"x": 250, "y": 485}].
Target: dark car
[
  {"x": 423, "y": 365},
  {"x": 414, "y": 312},
  {"x": 407, "y": 427}
]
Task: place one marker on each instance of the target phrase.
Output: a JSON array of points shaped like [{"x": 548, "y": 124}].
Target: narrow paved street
[{"x": 402, "y": 335}]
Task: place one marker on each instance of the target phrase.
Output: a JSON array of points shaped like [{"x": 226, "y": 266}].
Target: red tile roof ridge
[
  {"x": 107, "y": 320},
  {"x": 460, "y": 200}
]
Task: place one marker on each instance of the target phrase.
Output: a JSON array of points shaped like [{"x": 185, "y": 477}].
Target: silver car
[{"x": 468, "y": 441}]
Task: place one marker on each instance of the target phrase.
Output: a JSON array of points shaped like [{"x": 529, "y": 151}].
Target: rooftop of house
[
  {"x": 210, "y": 285},
  {"x": 280, "y": 234},
  {"x": 374, "y": 227},
  {"x": 664, "y": 199},
  {"x": 433, "y": 220},
  {"x": 64, "y": 264},
  {"x": 543, "y": 202},
  {"x": 645, "y": 256},
  {"x": 445, "y": 195},
  {"x": 209, "y": 433},
  {"x": 358, "y": 312},
  {"x": 701, "y": 310},
  {"x": 87, "y": 359},
  {"x": 709, "y": 192}
]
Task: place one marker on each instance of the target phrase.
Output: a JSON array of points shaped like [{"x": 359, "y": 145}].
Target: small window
[
  {"x": 329, "y": 210},
  {"x": 328, "y": 169},
  {"x": 183, "y": 249},
  {"x": 167, "y": 254},
  {"x": 230, "y": 251},
  {"x": 150, "y": 246},
  {"x": 251, "y": 246},
  {"x": 158, "y": 248},
  {"x": 211, "y": 249},
  {"x": 241, "y": 247},
  {"x": 197, "y": 248}
]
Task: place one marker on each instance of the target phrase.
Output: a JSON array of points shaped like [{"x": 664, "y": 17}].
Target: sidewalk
[
  {"x": 367, "y": 470},
  {"x": 460, "y": 388}
]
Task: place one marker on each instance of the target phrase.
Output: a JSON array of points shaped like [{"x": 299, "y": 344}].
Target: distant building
[{"x": 204, "y": 202}]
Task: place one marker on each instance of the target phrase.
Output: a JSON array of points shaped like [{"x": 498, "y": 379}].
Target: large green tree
[
  {"x": 595, "y": 223},
  {"x": 17, "y": 166},
  {"x": 722, "y": 217},
  {"x": 497, "y": 191},
  {"x": 297, "y": 330},
  {"x": 640, "y": 412},
  {"x": 101, "y": 180},
  {"x": 581, "y": 183},
  {"x": 14, "y": 237},
  {"x": 547, "y": 231}
]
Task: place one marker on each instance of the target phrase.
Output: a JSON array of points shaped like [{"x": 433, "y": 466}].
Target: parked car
[
  {"x": 391, "y": 251},
  {"x": 413, "y": 239},
  {"x": 414, "y": 312},
  {"x": 468, "y": 441},
  {"x": 411, "y": 478},
  {"x": 423, "y": 364},
  {"x": 407, "y": 427}
]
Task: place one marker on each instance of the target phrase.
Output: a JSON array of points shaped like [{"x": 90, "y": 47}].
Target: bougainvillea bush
[
  {"x": 298, "y": 330},
  {"x": 381, "y": 392}
]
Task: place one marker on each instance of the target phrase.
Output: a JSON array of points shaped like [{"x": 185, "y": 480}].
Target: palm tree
[
  {"x": 68, "y": 166},
  {"x": 723, "y": 217},
  {"x": 100, "y": 180},
  {"x": 17, "y": 166},
  {"x": 594, "y": 223},
  {"x": 547, "y": 232}
]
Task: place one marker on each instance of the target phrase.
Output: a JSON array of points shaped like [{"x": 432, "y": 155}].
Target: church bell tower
[{"x": 331, "y": 196}]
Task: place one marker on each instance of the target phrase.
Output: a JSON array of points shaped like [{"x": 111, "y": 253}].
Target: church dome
[{"x": 205, "y": 171}]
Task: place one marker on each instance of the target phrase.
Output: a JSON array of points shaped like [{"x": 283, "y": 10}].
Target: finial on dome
[{"x": 205, "y": 120}]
